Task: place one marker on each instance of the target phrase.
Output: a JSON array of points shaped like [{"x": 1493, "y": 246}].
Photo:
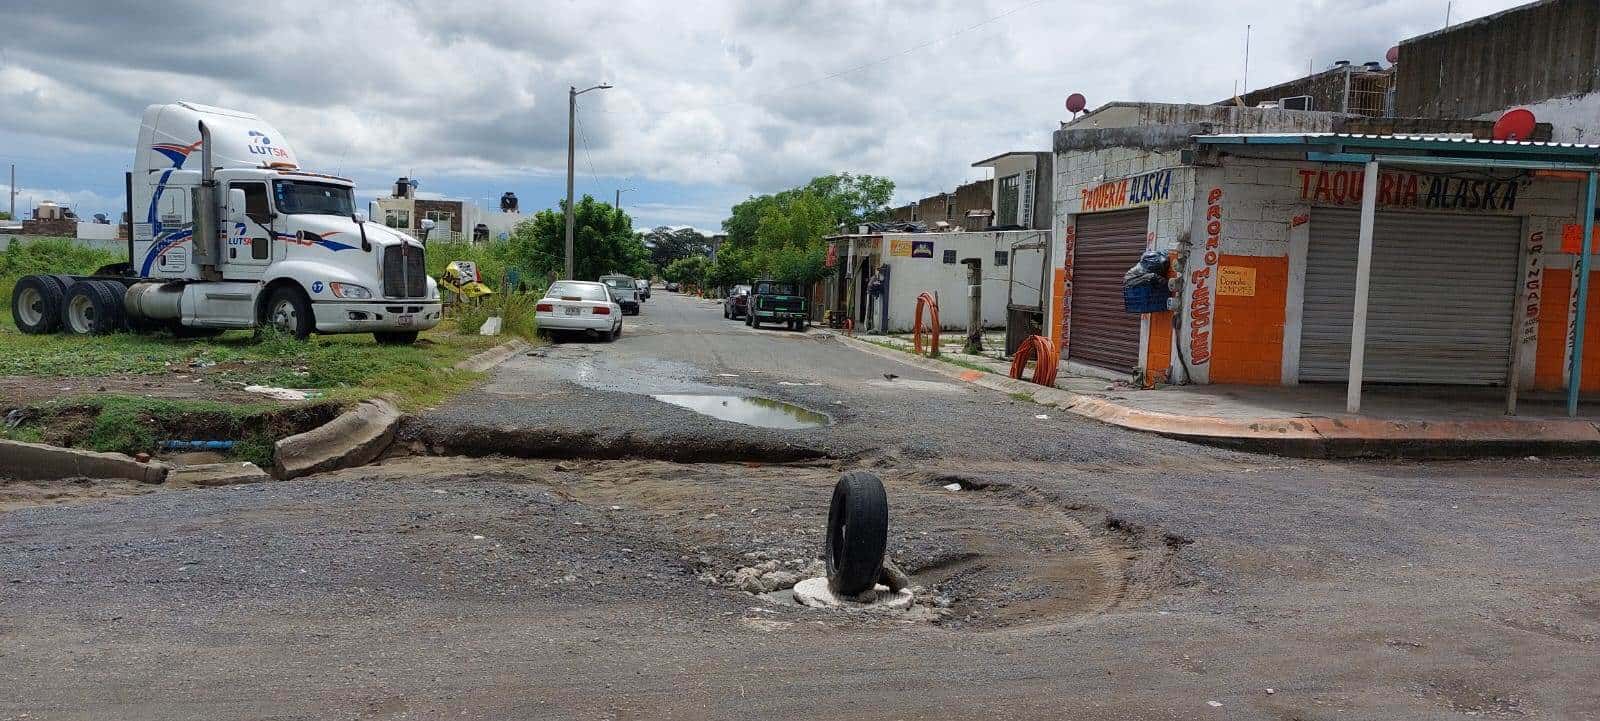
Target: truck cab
[
  {"x": 230, "y": 232},
  {"x": 774, "y": 301}
]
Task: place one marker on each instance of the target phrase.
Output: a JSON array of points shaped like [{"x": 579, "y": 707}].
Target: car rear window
[
  {"x": 583, "y": 291},
  {"x": 621, "y": 283}
]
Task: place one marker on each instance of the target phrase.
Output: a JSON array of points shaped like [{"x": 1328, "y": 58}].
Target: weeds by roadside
[{"x": 48, "y": 255}]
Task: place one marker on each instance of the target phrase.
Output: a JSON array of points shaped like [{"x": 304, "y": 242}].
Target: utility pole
[
  {"x": 13, "y": 187},
  {"x": 620, "y": 191},
  {"x": 572, "y": 119}
]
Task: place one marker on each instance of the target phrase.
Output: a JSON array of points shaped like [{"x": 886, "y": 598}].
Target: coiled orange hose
[
  {"x": 1040, "y": 348},
  {"x": 926, "y": 300},
  {"x": 850, "y": 327}
]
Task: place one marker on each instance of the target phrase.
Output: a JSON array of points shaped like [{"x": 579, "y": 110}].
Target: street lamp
[
  {"x": 572, "y": 118},
  {"x": 620, "y": 191}
]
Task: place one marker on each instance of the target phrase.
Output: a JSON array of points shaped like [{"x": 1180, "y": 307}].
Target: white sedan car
[{"x": 576, "y": 305}]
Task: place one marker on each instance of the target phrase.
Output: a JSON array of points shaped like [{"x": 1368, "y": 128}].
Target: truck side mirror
[
  {"x": 236, "y": 206},
  {"x": 361, "y": 216}
]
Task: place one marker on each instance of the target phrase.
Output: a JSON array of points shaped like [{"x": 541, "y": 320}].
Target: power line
[{"x": 594, "y": 178}]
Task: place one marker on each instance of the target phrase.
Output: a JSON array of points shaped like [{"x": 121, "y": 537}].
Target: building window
[
  {"x": 397, "y": 218},
  {"x": 440, "y": 218},
  {"x": 1010, "y": 190},
  {"x": 1001, "y": 257}
]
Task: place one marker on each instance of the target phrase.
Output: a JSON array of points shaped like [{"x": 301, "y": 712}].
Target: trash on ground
[
  {"x": 18, "y": 416},
  {"x": 1042, "y": 417},
  {"x": 284, "y": 394},
  {"x": 490, "y": 326}
]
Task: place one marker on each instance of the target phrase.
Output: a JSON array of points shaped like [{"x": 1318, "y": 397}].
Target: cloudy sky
[{"x": 714, "y": 100}]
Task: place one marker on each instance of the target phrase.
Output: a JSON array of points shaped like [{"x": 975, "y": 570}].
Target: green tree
[
  {"x": 668, "y": 244},
  {"x": 690, "y": 270},
  {"x": 4, "y": 215},
  {"x": 780, "y": 235},
  {"x": 603, "y": 242}
]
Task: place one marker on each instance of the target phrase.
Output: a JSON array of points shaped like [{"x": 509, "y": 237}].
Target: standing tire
[
  {"x": 289, "y": 310},
  {"x": 36, "y": 304},
  {"x": 92, "y": 308},
  {"x": 395, "y": 337},
  {"x": 858, "y": 533}
]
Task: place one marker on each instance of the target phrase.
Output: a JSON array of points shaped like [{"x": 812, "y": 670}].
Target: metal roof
[{"x": 1419, "y": 149}]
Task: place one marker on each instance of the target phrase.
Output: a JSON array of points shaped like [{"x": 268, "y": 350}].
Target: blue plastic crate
[{"x": 1147, "y": 298}]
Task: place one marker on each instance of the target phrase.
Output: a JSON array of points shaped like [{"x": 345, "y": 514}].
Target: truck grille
[
  {"x": 404, "y": 272},
  {"x": 785, "y": 305}
]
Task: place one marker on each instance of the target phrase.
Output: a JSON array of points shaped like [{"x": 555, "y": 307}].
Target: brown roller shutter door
[{"x": 1100, "y": 333}]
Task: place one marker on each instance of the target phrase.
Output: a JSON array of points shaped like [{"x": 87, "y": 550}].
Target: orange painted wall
[
  {"x": 1552, "y": 343},
  {"x": 1158, "y": 354},
  {"x": 1247, "y": 331},
  {"x": 1549, "y": 372}
]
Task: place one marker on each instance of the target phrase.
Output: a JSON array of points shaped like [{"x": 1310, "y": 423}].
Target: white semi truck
[{"x": 229, "y": 232}]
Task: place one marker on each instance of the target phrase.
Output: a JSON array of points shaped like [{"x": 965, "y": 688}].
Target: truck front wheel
[
  {"x": 395, "y": 337},
  {"x": 289, "y": 311}
]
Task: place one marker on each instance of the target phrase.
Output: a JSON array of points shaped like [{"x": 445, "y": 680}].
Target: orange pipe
[
  {"x": 1036, "y": 348},
  {"x": 926, "y": 300}
]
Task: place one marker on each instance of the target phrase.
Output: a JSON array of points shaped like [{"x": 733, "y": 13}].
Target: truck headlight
[{"x": 350, "y": 292}]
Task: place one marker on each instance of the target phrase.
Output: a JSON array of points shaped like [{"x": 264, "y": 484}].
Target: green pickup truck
[{"x": 774, "y": 301}]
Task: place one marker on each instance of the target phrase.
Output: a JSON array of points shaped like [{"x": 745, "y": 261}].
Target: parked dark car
[
  {"x": 774, "y": 301},
  {"x": 624, "y": 291},
  {"x": 644, "y": 288},
  {"x": 737, "y": 304},
  {"x": 672, "y": 287}
]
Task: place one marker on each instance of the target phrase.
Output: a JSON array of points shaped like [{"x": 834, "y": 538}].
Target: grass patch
[
  {"x": 1020, "y": 396},
  {"x": 25, "y": 256},
  {"x": 942, "y": 358}
]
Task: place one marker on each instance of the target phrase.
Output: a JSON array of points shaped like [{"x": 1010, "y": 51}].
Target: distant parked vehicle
[
  {"x": 644, "y": 288},
  {"x": 580, "y": 306},
  {"x": 624, "y": 291},
  {"x": 737, "y": 304},
  {"x": 672, "y": 287},
  {"x": 777, "y": 302}
]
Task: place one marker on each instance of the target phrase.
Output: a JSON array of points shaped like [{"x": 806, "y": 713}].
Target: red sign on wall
[{"x": 1572, "y": 239}]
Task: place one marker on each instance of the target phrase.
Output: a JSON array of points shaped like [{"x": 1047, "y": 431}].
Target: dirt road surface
[{"x": 1079, "y": 571}]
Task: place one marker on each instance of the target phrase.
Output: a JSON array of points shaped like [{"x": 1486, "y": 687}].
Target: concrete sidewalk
[{"x": 1306, "y": 420}]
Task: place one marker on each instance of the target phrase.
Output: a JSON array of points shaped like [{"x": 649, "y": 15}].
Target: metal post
[
  {"x": 13, "y": 187},
  {"x": 572, "y": 118},
  {"x": 1575, "y": 374},
  {"x": 1358, "y": 319},
  {"x": 974, "y": 345}
]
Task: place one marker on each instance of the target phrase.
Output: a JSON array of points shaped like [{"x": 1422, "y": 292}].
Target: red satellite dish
[
  {"x": 1393, "y": 56},
  {"x": 1076, "y": 103},
  {"x": 1515, "y": 124}
]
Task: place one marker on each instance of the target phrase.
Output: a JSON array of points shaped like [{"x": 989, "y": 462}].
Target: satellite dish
[
  {"x": 1076, "y": 103},
  {"x": 1393, "y": 56},
  {"x": 1515, "y": 124}
]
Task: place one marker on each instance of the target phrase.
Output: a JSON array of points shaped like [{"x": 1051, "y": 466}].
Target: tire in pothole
[{"x": 858, "y": 533}]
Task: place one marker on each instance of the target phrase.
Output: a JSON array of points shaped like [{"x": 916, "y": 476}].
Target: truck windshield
[
  {"x": 296, "y": 197},
  {"x": 775, "y": 289}
]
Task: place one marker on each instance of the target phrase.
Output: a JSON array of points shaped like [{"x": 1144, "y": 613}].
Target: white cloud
[{"x": 748, "y": 96}]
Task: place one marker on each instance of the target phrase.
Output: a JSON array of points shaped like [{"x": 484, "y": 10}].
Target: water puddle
[{"x": 761, "y": 412}]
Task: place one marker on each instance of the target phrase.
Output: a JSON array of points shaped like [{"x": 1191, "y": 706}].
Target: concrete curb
[
  {"x": 1311, "y": 437},
  {"x": 355, "y": 438},
  {"x": 485, "y": 360},
  {"x": 40, "y": 462}
]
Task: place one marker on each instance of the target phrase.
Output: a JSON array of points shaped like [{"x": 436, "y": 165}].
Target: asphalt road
[{"x": 1095, "y": 573}]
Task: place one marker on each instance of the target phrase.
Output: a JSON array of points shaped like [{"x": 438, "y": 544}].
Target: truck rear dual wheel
[
  {"x": 36, "y": 304},
  {"x": 93, "y": 307}
]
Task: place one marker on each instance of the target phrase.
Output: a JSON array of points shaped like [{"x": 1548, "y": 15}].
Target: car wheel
[
  {"x": 36, "y": 304},
  {"x": 618, "y": 332},
  {"x": 289, "y": 311},
  {"x": 395, "y": 337},
  {"x": 858, "y": 533}
]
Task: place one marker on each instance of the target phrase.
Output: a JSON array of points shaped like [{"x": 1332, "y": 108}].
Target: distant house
[{"x": 453, "y": 220}]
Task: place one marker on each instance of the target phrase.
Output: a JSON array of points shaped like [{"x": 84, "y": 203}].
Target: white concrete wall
[
  {"x": 910, "y": 277},
  {"x": 1573, "y": 119},
  {"x": 97, "y": 231},
  {"x": 499, "y": 223}
]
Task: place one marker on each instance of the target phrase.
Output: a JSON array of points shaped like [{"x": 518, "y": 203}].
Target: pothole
[{"x": 748, "y": 410}]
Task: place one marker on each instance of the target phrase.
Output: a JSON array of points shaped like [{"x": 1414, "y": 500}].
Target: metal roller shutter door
[
  {"x": 1100, "y": 332},
  {"x": 1442, "y": 295}
]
